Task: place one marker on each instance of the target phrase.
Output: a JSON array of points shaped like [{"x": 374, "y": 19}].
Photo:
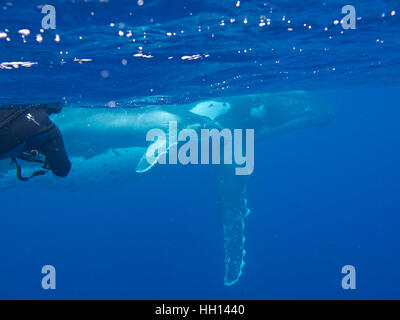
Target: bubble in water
[
  {"x": 105, "y": 74},
  {"x": 24, "y": 32}
]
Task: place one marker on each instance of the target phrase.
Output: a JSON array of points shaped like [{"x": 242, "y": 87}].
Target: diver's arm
[{"x": 55, "y": 153}]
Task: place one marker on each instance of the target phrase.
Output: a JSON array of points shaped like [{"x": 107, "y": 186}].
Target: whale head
[{"x": 296, "y": 108}]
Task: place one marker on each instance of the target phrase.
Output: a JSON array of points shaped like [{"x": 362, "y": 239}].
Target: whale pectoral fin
[
  {"x": 153, "y": 154},
  {"x": 234, "y": 246},
  {"x": 232, "y": 200}
]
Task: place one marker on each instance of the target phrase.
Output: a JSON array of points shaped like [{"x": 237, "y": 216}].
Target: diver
[{"x": 27, "y": 133}]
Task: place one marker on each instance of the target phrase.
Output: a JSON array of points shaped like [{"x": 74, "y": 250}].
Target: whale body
[{"x": 103, "y": 142}]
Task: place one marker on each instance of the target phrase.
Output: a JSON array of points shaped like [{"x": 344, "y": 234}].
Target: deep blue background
[{"x": 321, "y": 199}]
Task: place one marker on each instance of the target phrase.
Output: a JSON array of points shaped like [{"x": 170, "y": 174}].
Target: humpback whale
[{"x": 105, "y": 141}]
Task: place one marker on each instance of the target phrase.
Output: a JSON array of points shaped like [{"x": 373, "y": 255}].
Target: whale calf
[{"x": 105, "y": 141}]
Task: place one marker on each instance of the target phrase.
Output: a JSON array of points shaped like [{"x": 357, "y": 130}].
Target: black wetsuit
[{"x": 26, "y": 129}]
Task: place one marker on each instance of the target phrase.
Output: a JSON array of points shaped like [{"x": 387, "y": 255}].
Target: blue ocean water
[{"x": 321, "y": 198}]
